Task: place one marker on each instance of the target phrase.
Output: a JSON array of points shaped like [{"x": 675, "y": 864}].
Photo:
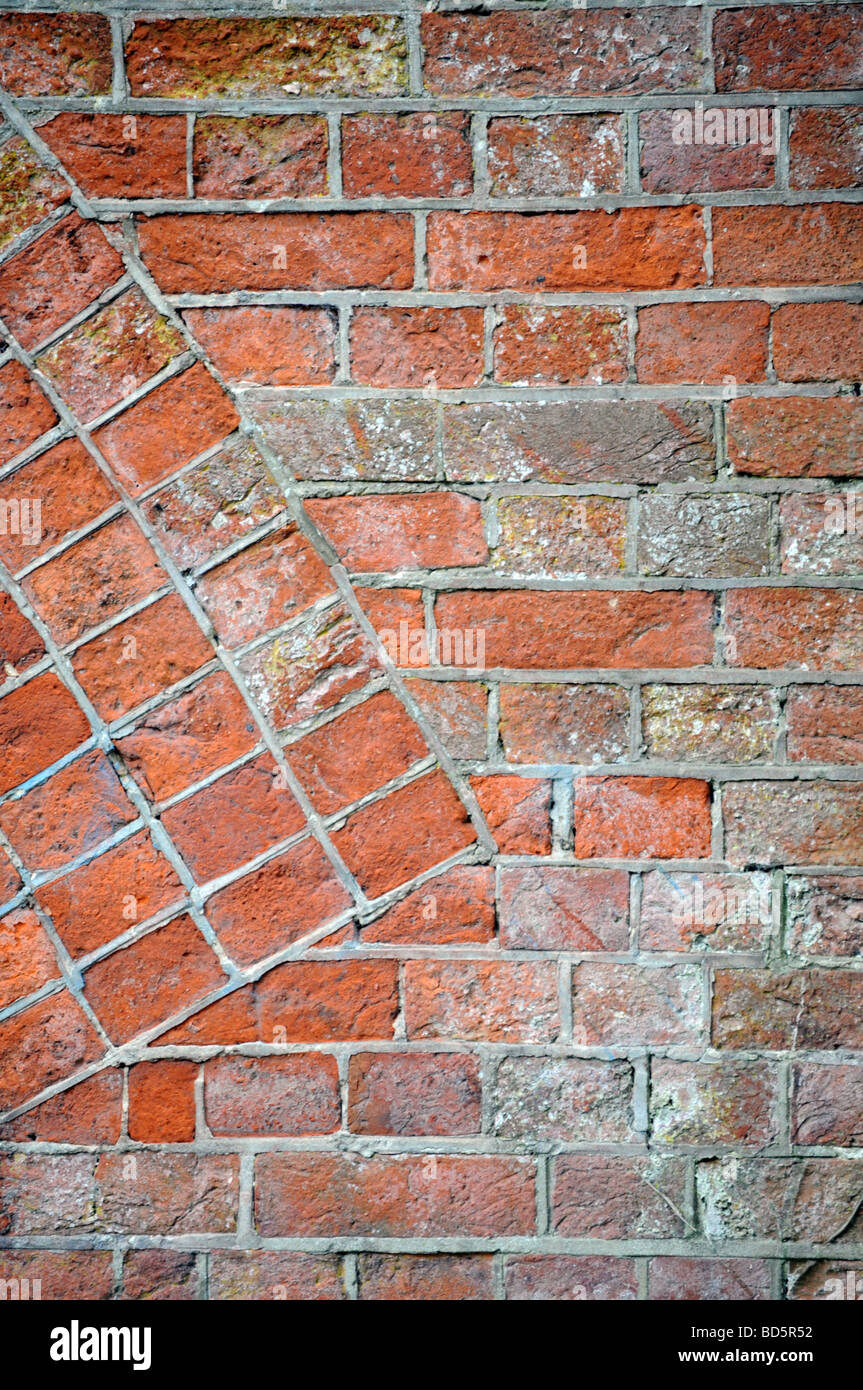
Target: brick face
[{"x": 431, "y": 704}]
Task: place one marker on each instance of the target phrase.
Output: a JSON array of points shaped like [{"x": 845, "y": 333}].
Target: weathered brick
[
  {"x": 814, "y": 629},
  {"x": 561, "y": 1277},
  {"x": 264, "y": 586},
  {"x": 55, "y": 278},
  {"x": 632, "y": 248},
  {"x": 716, "y": 536},
  {"x": 555, "y": 53},
  {"x": 313, "y": 1194},
  {"x": 318, "y": 1001},
  {"x": 710, "y": 723},
  {"x": 797, "y": 437},
  {"x": 818, "y": 342},
  {"x": 712, "y": 912},
  {"x": 55, "y": 54},
  {"x": 619, "y": 1199},
  {"x": 40, "y": 723},
  {"x": 826, "y": 147},
  {"x": 539, "y": 346},
  {"x": 812, "y": 1199},
  {"x": 276, "y": 1274},
  {"x": 456, "y": 908},
  {"x": 824, "y": 1279},
  {"x": 173, "y": 1193},
  {"x": 280, "y": 346},
  {"x": 825, "y": 723},
  {"x": 614, "y": 1004},
  {"x": 564, "y": 723},
  {"x": 68, "y": 815},
  {"x": 416, "y": 347},
  {"x": 357, "y": 753},
  {"x": 806, "y": 244},
  {"x": 87, "y": 1113},
  {"x": 438, "y": 1278},
  {"x": 457, "y": 711},
  {"x": 414, "y": 155},
  {"x": 714, "y": 1102},
  {"x": 72, "y": 493},
  {"x": 379, "y": 440},
  {"x": 25, "y": 411},
  {"x": 634, "y": 817},
  {"x": 20, "y": 643},
  {"x": 260, "y": 157},
  {"x": 702, "y": 343},
  {"x": 408, "y": 531},
  {"x": 492, "y": 1001},
  {"x": 42, "y": 1045},
  {"x": 561, "y": 536},
  {"x": 820, "y": 532},
  {"x": 518, "y": 812},
  {"x": 414, "y": 1093},
  {"x": 197, "y": 254},
  {"x": 824, "y": 916},
  {"x": 162, "y": 1102},
  {"x": 564, "y": 909},
  {"x": 234, "y": 56},
  {"x": 784, "y": 48},
  {"x": 160, "y": 1274},
  {"x": 113, "y": 156},
  {"x": 28, "y": 192},
  {"x": 827, "y": 1104},
  {"x": 818, "y": 1009},
  {"x": 555, "y": 156},
  {"x": 27, "y": 959},
  {"x": 679, "y": 1277},
  {"x": 60, "y": 1275},
  {"x": 670, "y": 165},
  {"x": 563, "y": 1098},
  {"x": 798, "y": 822},
  {"x": 272, "y": 1095}
]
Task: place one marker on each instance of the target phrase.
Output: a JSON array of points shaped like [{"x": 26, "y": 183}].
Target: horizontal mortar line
[
  {"x": 634, "y": 676},
  {"x": 728, "y": 485},
  {"x": 494, "y": 394},
  {"x": 691, "y": 866},
  {"x": 108, "y": 209},
  {"x": 491, "y": 581},
  {"x": 657, "y": 767},
  {"x": 352, "y": 297},
  {"x": 396, "y": 8},
  {"x": 685, "y": 1054}
]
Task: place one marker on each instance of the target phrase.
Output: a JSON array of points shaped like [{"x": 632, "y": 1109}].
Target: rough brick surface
[{"x": 431, "y": 652}]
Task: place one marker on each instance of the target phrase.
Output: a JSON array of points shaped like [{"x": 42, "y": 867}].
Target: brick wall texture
[{"x": 431, "y": 525}]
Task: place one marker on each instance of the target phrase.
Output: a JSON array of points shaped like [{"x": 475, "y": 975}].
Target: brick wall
[{"x": 431, "y": 826}]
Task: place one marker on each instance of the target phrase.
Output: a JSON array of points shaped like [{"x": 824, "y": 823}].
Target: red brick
[
  {"x": 456, "y": 908},
  {"x": 798, "y": 822},
  {"x": 94, "y": 580},
  {"x": 274, "y": 1274},
  {"x": 702, "y": 343},
  {"x": 417, "y": 347},
  {"x": 671, "y": 167},
  {"x": 518, "y": 811},
  {"x": 10, "y": 883},
  {"x": 818, "y": 342},
  {"x": 814, "y": 629},
  {"x": 182, "y": 742},
  {"x": 244, "y": 813},
  {"x": 678, "y": 1277},
  {"x": 214, "y": 504},
  {"x": 111, "y": 355},
  {"x": 561, "y": 536},
  {"x": 564, "y": 909},
  {"x": 639, "y": 1005},
  {"x": 233, "y": 56},
  {"x": 55, "y": 54},
  {"x": 571, "y": 630},
  {"x": 555, "y": 53},
  {"x": 313, "y": 1194},
  {"x": 260, "y": 156},
  {"x": 710, "y": 723},
  {"x": 457, "y": 711},
  {"x": 61, "y": 1275},
  {"x": 357, "y": 753},
  {"x": 425, "y": 1278},
  {"x": 404, "y": 834},
  {"x": 797, "y": 437},
  {"x": 320, "y": 1001},
  {"x": 826, "y": 1104},
  {"x": 714, "y": 1103},
  {"x": 818, "y": 1009},
  {"x": 635, "y": 817},
  {"x": 43, "y": 1045},
  {"x": 539, "y": 346},
  {"x": 70, "y": 814},
  {"x": 564, "y": 723},
  {"x": 20, "y": 643},
  {"x": 808, "y": 244},
  {"x": 277, "y": 904},
  {"x": 40, "y": 722},
  {"x": 270, "y": 1096},
  {"x": 25, "y": 412},
  {"x": 140, "y": 448},
  {"x": 172, "y": 1194},
  {"x": 28, "y": 192},
  {"x": 231, "y": 1020},
  {"x": 114, "y": 156},
  {"x": 563, "y": 1098},
  {"x": 414, "y": 155},
  {"x": 555, "y": 156},
  {"x": 160, "y": 1274},
  {"x": 282, "y": 346},
  {"x": 98, "y": 902},
  {"x": 264, "y": 586},
  {"x": 385, "y": 440},
  {"x": 135, "y": 989},
  {"x": 387, "y": 610},
  {"x": 710, "y": 912},
  {"x": 558, "y": 1278},
  {"x": 414, "y": 1093},
  {"x": 630, "y": 249},
  {"x": 311, "y": 667},
  {"x": 824, "y": 917},
  {"x": 274, "y": 251},
  {"x": 785, "y": 48},
  {"x": 825, "y": 724},
  {"x": 162, "y": 1102},
  {"x": 55, "y": 278},
  {"x": 482, "y": 1001},
  {"x": 88, "y": 1113},
  {"x": 27, "y": 959},
  {"x": 71, "y": 491},
  {"x": 826, "y": 147},
  {"x": 141, "y": 657},
  {"x": 393, "y": 532},
  {"x": 619, "y": 1198}
]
